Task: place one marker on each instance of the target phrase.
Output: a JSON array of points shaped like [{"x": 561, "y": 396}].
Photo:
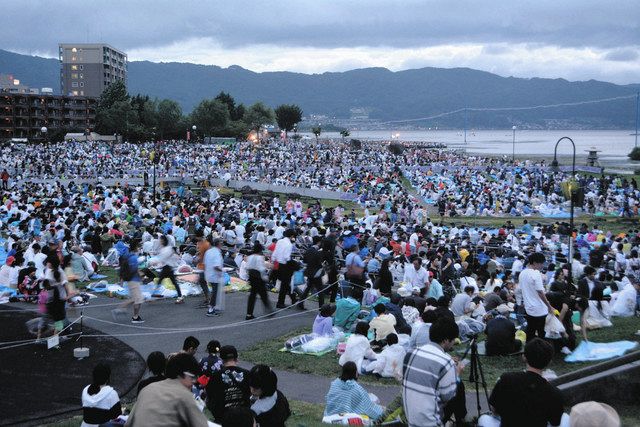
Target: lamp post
[
  {"x": 555, "y": 167},
  {"x": 44, "y": 130},
  {"x": 513, "y": 157},
  {"x": 193, "y": 128}
]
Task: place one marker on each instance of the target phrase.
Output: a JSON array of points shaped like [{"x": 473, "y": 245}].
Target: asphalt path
[{"x": 167, "y": 325}]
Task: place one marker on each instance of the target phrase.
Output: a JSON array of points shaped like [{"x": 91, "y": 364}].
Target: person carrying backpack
[{"x": 130, "y": 275}]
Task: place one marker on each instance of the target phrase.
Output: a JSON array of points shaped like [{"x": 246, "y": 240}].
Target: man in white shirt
[
  {"x": 282, "y": 255},
  {"x": 415, "y": 276},
  {"x": 534, "y": 299}
]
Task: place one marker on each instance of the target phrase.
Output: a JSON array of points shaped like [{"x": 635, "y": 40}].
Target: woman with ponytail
[{"x": 100, "y": 402}]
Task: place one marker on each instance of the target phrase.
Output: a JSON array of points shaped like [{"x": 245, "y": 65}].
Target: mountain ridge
[{"x": 383, "y": 94}]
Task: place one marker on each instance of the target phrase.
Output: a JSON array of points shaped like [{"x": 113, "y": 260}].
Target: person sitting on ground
[
  {"x": 501, "y": 333},
  {"x": 156, "y": 362},
  {"x": 267, "y": 402},
  {"x": 100, "y": 402},
  {"x": 420, "y": 330},
  {"x": 462, "y": 302},
  {"x": 626, "y": 303},
  {"x": 211, "y": 363},
  {"x": 383, "y": 324},
  {"x": 358, "y": 348},
  {"x": 346, "y": 395},
  {"x": 388, "y": 363},
  {"x": 239, "y": 416},
  {"x": 347, "y": 310},
  {"x": 410, "y": 311},
  {"x": 190, "y": 345},
  {"x": 393, "y": 307},
  {"x": 323, "y": 324},
  {"x": 493, "y": 299},
  {"x": 443, "y": 309},
  {"x": 598, "y": 312},
  {"x": 170, "y": 402},
  {"x": 526, "y": 396},
  {"x": 229, "y": 387}
]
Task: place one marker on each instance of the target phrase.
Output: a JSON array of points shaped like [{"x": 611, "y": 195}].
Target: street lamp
[
  {"x": 555, "y": 167},
  {"x": 44, "y": 130},
  {"x": 193, "y": 128},
  {"x": 513, "y": 158}
]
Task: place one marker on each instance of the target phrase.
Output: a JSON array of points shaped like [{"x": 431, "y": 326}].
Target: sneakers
[
  {"x": 565, "y": 350},
  {"x": 179, "y": 300},
  {"x": 203, "y": 304},
  {"x": 281, "y": 306},
  {"x": 249, "y": 317},
  {"x": 212, "y": 313},
  {"x": 137, "y": 320}
]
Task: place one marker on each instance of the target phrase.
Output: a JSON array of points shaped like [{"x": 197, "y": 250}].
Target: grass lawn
[
  {"x": 327, "y": 365},
  {"x": 493, "y": 367}
]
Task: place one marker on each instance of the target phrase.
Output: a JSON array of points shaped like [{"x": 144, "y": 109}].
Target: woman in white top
[
  {"x": 257, "y": 271},
  {"x": 100, "y": 402},
  {"x": 358, "y": 348},
  {"x": 598, "y": 312}
]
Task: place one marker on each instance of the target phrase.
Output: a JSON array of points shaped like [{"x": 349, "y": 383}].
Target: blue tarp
[{"x": 592, "y": 351}]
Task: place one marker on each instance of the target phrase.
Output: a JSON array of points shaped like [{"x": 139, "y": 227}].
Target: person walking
[
  {"x": 257, "y": 271},
  {"x": 214, "y": 275},
  {"x": 314, "y": 271},
  {"x": 167, "y": 260},
  {"x": 535, "y": 301},
  {"x": 130, "y": 275},
  {"x": 282, "y": 258},
  {"x": 5, "y": 179}
]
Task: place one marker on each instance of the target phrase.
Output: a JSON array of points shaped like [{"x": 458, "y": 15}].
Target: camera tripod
[{"x": 476, "y": 374}]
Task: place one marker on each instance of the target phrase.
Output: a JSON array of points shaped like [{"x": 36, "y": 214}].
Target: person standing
[
  {"x": 313, "y": 260},
  {"x": 5, "y": 179},
  {"x": 130, "y": 275},
  {"x": 256, "y": 268},
  {"x": 202, "y": 246},
  {"x": 535, "y": 301},
  {"x": 214, "y": 275},
  {"x": 431, "y": 377},
  {"x": 282, "y": 256}
]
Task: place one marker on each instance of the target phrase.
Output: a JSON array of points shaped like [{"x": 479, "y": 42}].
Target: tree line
[{"x": 139, "y": 118}]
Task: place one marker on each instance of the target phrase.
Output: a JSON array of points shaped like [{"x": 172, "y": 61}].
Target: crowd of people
[
  {"x": 405, "y": 286},
  {"x": 460, "y": 185}
]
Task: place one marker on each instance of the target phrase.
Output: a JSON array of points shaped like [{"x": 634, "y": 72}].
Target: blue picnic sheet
[{"x": 591, "y": 351}]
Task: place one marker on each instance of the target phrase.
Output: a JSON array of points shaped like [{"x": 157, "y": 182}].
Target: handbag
[{"x": 354, "y": 271}]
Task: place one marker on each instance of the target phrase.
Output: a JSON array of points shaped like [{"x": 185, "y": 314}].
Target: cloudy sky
[{"x": 572, "y": 39}]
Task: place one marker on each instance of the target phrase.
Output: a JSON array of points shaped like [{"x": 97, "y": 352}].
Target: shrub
[{"x": 635, "y": 154}]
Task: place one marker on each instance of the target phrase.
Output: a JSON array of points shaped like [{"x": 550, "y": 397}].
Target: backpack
[{"x": 126, "y": 272}]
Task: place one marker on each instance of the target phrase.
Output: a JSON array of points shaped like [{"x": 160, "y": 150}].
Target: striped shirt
[{"x": 428, "y": 382}]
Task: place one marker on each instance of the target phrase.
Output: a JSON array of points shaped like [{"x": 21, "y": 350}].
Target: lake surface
[{"x": 615, "y": 145}]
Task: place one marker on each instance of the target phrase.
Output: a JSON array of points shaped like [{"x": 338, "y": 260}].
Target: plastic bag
[
  {"x": 553, "y": 328},
  {"x": 319, "y": 344},
  {"x": 299, "y": 340}
]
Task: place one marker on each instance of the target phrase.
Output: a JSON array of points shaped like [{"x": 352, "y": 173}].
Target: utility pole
[
  {"x": 637, "y": 115},
  {"x": 465, "y": 125}
]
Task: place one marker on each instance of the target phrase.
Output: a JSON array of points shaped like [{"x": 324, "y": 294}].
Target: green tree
[
  {"x": 113, "y": 109},
  {"x": 287, "y": 116},
  {"x": 211, "y": 117},
  {"x": 113, "y": 93},
  {"x": 257, "y": 116},
  {"x": 344, "y": 133},
  {"x": 316, "y": 130},
  {"x": 169, "y": 117}
]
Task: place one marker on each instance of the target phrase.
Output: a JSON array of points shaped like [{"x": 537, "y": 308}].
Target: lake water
[{"x": 615, "y": 145}]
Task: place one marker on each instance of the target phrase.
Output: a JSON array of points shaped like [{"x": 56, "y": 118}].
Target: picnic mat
[
  {"x": 294, "y": 351},
  {"x": 589, "y": 351}
]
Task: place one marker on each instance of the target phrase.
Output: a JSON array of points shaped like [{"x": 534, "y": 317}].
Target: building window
[
  {"x": 81, "y": 76},
  {"x": 74, "y": 75},
  {"x": 74, "y": 58},
  {"x": 74, "y": 50},
  {"x": 81, "y": 93},
  {"x": 74, "y": 67},
  {"x": 82, "y": 67},
  {"x": 74, "y": 84},
  {"x": 74, "y": 93},
  {"x": 81, "y": 84}
]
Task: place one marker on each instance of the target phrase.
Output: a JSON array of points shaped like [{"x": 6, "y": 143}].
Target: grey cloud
[
  {"x": 622, "y": 55},
  {"x": 38, "y": 25}
]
